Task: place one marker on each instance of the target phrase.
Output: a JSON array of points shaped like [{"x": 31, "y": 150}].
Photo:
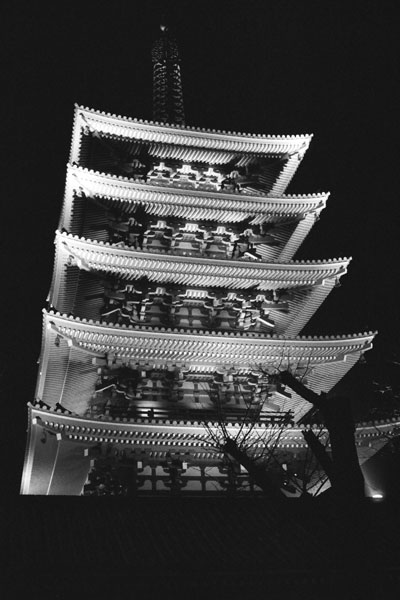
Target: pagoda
[{"x": 175, "y": 291}]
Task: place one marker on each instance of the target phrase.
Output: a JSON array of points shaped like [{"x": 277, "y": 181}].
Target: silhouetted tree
[
  {"x": 343, "y": 468},
  {"x": 245, "y": 441}
]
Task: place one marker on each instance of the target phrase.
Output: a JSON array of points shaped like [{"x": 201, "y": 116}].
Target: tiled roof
[
  {"x": 66, "y": 370},
  {"x": 158, "y": 433},
  {"x": 328, "y": 358},
  {"x": 181, "y": 346},
  {"x": 191, "y": 136},
  {"x": 191, "y": 144},
  {"x": 189, "y": 433},
  {"x": 191, "y": 204},
  {"x": 126, "y": 261},
  {"x": 162, "y": 435},
  {"x": 310, "y": 283}
]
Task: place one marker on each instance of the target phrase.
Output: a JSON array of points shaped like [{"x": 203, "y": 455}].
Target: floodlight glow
[{"x": 377, "y": 496}]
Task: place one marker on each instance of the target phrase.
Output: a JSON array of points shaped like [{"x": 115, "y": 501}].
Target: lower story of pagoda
[{"x": 72, "y": 455}]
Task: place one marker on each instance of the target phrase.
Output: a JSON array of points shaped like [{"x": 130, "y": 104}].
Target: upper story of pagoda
[
  {"x": 103, "y": 282},
  {"x": 118, "y": 209},
  {"x": 179, "y": 190},
  {"x": 187, "y": 157},
  {"x": 196, "y": 217}
]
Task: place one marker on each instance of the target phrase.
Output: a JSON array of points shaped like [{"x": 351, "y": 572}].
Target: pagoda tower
[{"x": 175, "y": 291}]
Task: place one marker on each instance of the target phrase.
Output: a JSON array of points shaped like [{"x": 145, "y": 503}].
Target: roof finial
[{"x": 167, "y": 84}]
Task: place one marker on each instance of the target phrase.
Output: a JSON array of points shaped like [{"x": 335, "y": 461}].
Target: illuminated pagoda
[{"x": 175, "y": 291}]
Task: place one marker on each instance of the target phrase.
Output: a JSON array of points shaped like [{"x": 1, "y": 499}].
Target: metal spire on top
[{"x": 167, "y": 84}]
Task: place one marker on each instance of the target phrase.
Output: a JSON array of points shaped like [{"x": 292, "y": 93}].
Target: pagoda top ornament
[{"x": 167, "y": 84}]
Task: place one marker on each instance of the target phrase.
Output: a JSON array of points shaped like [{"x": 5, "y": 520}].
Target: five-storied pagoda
[{"x": 174, "y": 292}]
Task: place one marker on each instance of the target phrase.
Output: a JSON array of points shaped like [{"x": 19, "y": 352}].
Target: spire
[{"x": 167, "y": 84}]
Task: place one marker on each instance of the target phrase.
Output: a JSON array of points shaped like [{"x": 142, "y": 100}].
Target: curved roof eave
[
  {"x": 125, "y": 189},
  {"x": 370, "y": 429},
  {"x": 95, "y": 255},
  {"x": 89, "y": 334},
  {"x": 127, "y": 127}
]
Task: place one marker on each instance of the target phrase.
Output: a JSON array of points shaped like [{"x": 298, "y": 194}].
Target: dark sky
[{"x": 283, "y": 67}]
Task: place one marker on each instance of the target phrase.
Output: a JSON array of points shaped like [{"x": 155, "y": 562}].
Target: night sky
[{"x": 285, "y": 67}]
